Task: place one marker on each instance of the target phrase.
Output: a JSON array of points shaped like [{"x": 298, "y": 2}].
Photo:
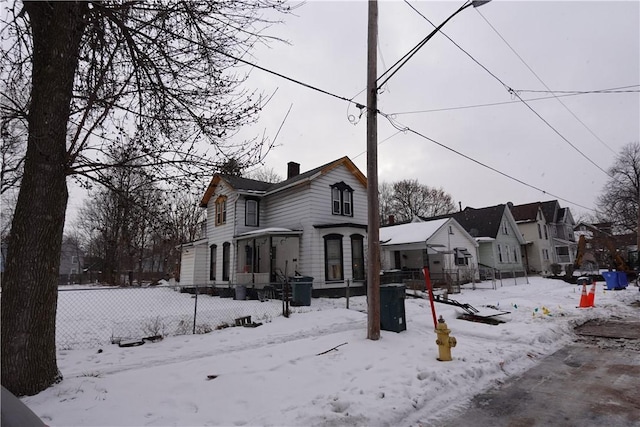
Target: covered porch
[{"x": 266, "y": 256}]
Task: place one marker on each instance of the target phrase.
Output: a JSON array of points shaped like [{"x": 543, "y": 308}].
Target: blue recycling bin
[
  {"x": 615, "y": 279},
  {"x": 623, "y": 280}
]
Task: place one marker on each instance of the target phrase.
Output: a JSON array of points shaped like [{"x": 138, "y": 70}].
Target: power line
[
  {"x": 463, "y": 107},
  {"x": 579, "y": 92},
  {"x": 405, "y": 128},
  {"x": 402, "y": 128},
  {"x": 547, "y": 87},
  {"x": 492, "y": 104},
  {"x": 404, "y": 59},
  {"x": 514, "y": 93},
  {"x": 379, "y": 143}
]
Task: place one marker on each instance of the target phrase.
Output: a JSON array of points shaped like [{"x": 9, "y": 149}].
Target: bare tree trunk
[{"x": 29, "y": 294}]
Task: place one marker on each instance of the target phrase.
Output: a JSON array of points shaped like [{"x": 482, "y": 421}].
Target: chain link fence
[{"x": 90, "y": 317}]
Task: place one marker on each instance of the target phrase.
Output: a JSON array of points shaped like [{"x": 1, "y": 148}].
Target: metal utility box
[
  {"x": 392, "y": 316},
  {"x": 301, "y": 287}
]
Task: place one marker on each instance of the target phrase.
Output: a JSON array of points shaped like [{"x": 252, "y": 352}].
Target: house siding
[
  {"x": 321, "y": 214},
  {"x": 219, "y": 234},
  {"x": 305, "y": 207}
]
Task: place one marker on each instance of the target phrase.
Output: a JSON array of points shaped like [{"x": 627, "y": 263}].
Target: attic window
[
  {"x": 341, "y": 199},
  {"x": 505, "y": 227}
]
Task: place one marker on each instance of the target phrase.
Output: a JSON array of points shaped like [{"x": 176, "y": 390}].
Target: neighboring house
[
  {"x": 71, "y": 262},
  {"x": 313, "y": 224},
  {"x": 497, "y": 234},
  {"x": 538, "y": 251},
  {"x": 560, "y": 223},
  {"x": 443, "y": 245}
]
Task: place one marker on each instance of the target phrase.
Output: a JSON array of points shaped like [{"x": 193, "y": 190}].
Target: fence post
[
  {"x": 195, "y": 311},
  {"x": 347, "y": 293},
  {"x": 515, "y": 279}
]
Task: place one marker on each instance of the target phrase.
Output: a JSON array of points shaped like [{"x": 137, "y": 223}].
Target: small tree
[
  {"x": 96, "y": 72},
  {"x": 620, "y": 198}
]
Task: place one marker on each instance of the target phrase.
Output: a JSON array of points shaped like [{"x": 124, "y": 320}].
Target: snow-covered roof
[{"x": 412, "y": 232}]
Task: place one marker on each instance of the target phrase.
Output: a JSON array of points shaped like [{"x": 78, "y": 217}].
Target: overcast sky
[{"x": 570, "y": 46}]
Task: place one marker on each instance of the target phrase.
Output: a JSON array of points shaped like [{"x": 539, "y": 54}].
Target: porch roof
[{"x": 271, "y": 231}]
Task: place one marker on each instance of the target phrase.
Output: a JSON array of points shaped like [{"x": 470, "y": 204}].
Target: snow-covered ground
[{"x": 281, "y": 373}]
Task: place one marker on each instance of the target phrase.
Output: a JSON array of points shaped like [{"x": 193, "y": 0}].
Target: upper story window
[
  {"x": 546, "y": 234},
  {"x": 505, "y": 227},
  {"x": 221, "y": 210},
  {"x": 341, "y": 199},
  {"x": 251, "y": 213},
  {"x": 539, "y": 232}
]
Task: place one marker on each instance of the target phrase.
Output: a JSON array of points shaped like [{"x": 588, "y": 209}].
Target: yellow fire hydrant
[{"x": 444, "y": 341}]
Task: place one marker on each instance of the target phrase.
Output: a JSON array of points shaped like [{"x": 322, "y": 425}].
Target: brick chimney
[{"x": 293, "y": 169}]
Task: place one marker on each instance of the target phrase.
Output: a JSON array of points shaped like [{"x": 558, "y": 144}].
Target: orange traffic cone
[
  {"x": 584, "y": 299},
  {"x": 592, "y": 295}
]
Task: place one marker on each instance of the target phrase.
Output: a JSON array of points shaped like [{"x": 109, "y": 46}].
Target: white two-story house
[
  {"x": 312, "y": 224},
  {"x": 561, "y": 223},
  {"x": 539, "y": 249}
]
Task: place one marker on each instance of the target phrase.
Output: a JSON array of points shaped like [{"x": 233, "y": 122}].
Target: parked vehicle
[{"x": 15, "y": 413}]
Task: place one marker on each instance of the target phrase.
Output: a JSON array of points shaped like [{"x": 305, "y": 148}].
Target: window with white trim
[
  {"x": 461, "y": 256},
  {"x": 333, "y": 264},
  {"x": 221, "y": 210},
  {"x": 499, "y": 253},
  {"x": 213, "y": 255},
  {"x": 251, "y": 213},
  {"x": 505, "y": 227},
  {"x": 357, "y": 257},
  {"x": 226, "y": 259},
  {"x": 341, "y": 199}
]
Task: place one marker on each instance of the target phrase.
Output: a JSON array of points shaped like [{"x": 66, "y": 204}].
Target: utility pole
[{"x": 373, "y": 229}]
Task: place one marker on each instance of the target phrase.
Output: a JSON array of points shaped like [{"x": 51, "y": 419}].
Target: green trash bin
[
  {"x": 392, "y": 317},
  {"x": 301, "y": 287}
]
